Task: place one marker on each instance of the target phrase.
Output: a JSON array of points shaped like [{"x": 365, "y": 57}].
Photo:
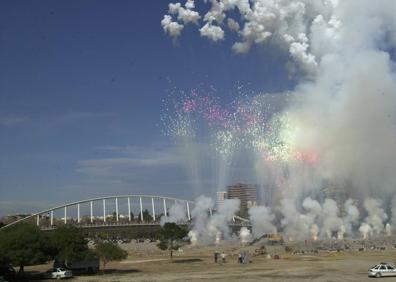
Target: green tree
[
  {"x": 170, "y": 237},
  {"x": 108, "y": 251},
  {"x": 70, "y": 244},
  {"x": 146, "y": 216},
  {"x": 24, "y": 244}
]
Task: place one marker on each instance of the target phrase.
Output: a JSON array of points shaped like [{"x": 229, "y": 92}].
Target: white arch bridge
[{"x": 94, "y": 213}]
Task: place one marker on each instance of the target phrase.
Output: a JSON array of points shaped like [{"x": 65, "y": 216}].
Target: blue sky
[{"x": 81, "y": 90}]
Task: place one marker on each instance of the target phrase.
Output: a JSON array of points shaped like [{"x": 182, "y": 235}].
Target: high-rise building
[
  {"x": 246, "y": 193},
  {"x": 221, "y": 196}
]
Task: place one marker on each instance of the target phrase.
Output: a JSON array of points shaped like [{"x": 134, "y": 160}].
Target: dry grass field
[{"x": 146, "y": 263}]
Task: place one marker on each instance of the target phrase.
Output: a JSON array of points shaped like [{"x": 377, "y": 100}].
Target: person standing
[{"x": 223, "y": 257}]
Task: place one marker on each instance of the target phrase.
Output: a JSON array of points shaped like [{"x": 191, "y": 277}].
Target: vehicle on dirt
[
  {"x": 58, "y": 273},
  {"x": 382, "y": 270}
]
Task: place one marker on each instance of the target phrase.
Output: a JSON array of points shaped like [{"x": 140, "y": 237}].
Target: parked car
[
  {"x": 58, "y": 273},
  {"x": 382, "y": 270}
]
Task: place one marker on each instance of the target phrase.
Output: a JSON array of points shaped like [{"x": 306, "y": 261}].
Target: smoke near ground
[
  {"x": 338, "y": 129},
  {"x": 261, "y": 219},
  {"x": 208, "y": 227}
]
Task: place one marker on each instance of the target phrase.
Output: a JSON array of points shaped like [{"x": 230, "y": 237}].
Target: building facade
[
  {"x": 246, "y": 193},
  {"x": 221, "y": 196}
]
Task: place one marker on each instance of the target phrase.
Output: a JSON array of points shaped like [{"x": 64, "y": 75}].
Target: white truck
[{"x": 59, "y": 273}]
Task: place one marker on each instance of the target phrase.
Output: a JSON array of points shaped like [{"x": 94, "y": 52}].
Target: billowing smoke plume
[
  {"x": 315, "y": 221},
  {"x": 207, "y": 228},
  {"x": 261, "y": 219},
  {"x": 314, "y": 211},
  {"x": 201, "y": 217},
  {"x": 293, "y": 222},
  {"x": 351, "y": 218},
  {"x": 332, "y": 223},
  {"x": 374, "y": 223},
  {"x": 339, "y": 128},
  {"x": 320, "y": 220},
  {"x": 244, "y": 235},
  {"x": 176, "y": 214}
]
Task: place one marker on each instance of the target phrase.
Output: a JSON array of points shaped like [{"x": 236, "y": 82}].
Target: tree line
[{"x": 25, "y": 244}]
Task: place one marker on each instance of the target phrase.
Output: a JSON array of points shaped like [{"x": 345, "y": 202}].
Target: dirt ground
[{"x": 146, "y": 263}]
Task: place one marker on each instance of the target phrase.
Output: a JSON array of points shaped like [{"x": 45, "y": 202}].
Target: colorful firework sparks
[
  {"x": 248, "y": 122},
  {"x": 225, "y": 143},
  {"x": 280, "y": 143}
]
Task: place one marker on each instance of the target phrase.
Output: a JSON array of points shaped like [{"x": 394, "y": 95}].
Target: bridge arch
[{"x": 103, "y": 201}]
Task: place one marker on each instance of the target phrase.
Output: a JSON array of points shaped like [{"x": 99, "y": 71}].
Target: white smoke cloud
[
  {"x": 376, "y": 217},
  {"x": 218, "y": 222},
  {"x": 331, "y": 220},
  {"x": 176, "y": 214},
  {"x": 366, "y": 230},
  {"x": 188, "y": 16},
  {"x": 351, "y": 218},
  {"x": 314, "y": 211},
  {"x": 233, "y": 25},
  {"x": 244, "y": 235},
  {"x": 174, "y": 8},
  {"x": 294, "y": 223},
  {"x": 209, "y": 229},
  {"x": 172, "y": 28},
  {"x": 343, "y": 114},
  {"x": 312, "y": 207},
  {"x": 289, "y": 24},
  {"x": 200, "y": 215},
  {"x": 388, "y": 229},
  {"x": 261, "y": 219},
  {"x": 185, "y": 15},
  {"x": 320, "y": 221},
  {"x": 190, "y": 4},
  {"x": 212, "y": 32}
]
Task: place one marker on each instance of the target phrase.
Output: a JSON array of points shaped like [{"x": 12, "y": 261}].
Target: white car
[
  {"x": 382, "y": 270},
  {"x": 59, "y": 273}
]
